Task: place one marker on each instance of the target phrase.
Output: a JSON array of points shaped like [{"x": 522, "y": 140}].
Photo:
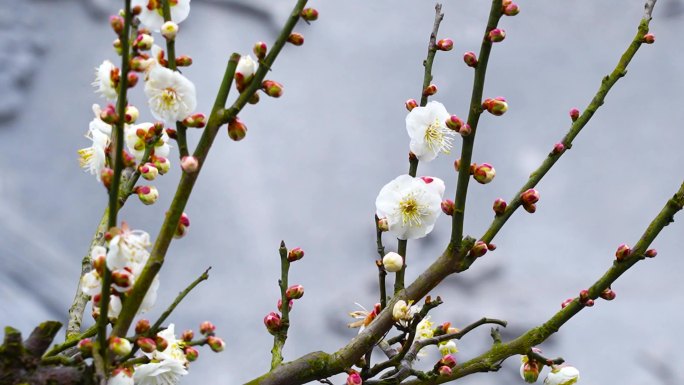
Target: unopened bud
[
  {"x": 445, "y": 45},
  {"x": 465, "y": 130},
  {"x": 566, "y": 302},
  {"x": 511, "y": 9},
  {"x": 169, "y": 30},
  {"x": 294, "y": 292},
  {"x": 430, "y": 90},
  {"x": 162, "y": 164},
  {"x": 484, "y": 173},
  {"x": 448, "y": 207},
  {"x": 295, "y": 254},
  {"x": 530, "y": 207},
  {"x": 558, "y": 148},
  {"x": 584, "y": 295},
  {"x": 499, "y": 206},
  {"x": 147, "y": 345},
  {"x": 147, "y": 194},
  {"x": 496, "y": 35},
  {"x": 589, "y": 303},
  {"x": 122, "y": 280},
  {"x": 131, "y": 114},
  {"x": 106, "y": 176},
  {"x": 444, "y": 371},
  {"x": 207, "y": 328},
  {"x": 608, "y": 295},
  {"x": 651, "y": 253},
  {"x": 623, "y": 251},
  {"x": 117, "y": 46},
  {"x": 119, "y": 346},
  {"x": 117, "y": 23},
  {"x": 574, "y": 114},
  {"x": 491, "y": 246},
  {"x": 479, "y": 249},
  {"x": 260, "y": 48},
  {"x": 245, "y": 70},
  {"x": 85, "y": 346},
  {"x": 529, "y": 371},
  {"x": 142, "y": 326},
  {"x": 530, "y": 196},
  {"x": 216, "y": 344},
  {"x": 448, "y": 360},
  {"x": 198, "y": 120},
  {"x": 161, "y": 342},
  {"x": 296, "y": 39},
  {"x": 191, "y": 354},
  {"x": 272, "y": 88},
  {"x": 309, "y": 14},
  {"x": 143, "y": 42},
  {"x": 470, "y": 59},
  {"x": 649, "y": 38},
  {"x": 279, "y": 304},
  {"x": 354, "y": 378},
  {"x": 272, "y": 322},
  {"x": 411, "y": 104},
  {"x": 383, "y": 224},
  {"x": 188, "y": 335},
  {"x": 454, "y": 122},
  {"x": 392, "y": 262},
  {"x": 148, "y": 171},
  {"x": 496, "y": 106},
  {"x": 108, "y": 114},
  {"x": 189, "y": 164},
  {"x": 183, "y": 61},
  {"x": 237, "y": 130}
]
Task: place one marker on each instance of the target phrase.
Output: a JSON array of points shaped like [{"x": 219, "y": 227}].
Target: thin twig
[{"x": 280, "y": 336}]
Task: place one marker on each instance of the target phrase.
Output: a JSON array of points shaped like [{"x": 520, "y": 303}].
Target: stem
[
  {"x": 217, "y": 117},
  {"x": 280, "y": 336},
  {"x": 473, "y": 119},
  {"x": 203, "y": 277},
  {"x": 71, "y": 341}
]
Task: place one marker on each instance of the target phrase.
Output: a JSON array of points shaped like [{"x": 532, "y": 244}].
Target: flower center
[
  {"x": 412, "y": 211},
  {"x": 438, "y": 137},
  {"x": 168, "y": 97}
]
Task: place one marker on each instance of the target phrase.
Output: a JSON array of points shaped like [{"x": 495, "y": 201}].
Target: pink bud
[
  {"x": 272, "y": 322},
  {"x": 85, "y": 346},
  {"x": 496, "y": 35},
  {"x": 484, "y": 173},
  {"x": 574, "y": 114},
  {"x": 558, "y": 148},
  {"x": 499, "y": 206},
  {"x": 142, "y": 326},
  {"x": 529, "y": 207},
  {"x": 236, "y": 129},
  {"x": 216, "y": 344},
  {"x": 470, "y": 59},
  {"x": 454, "y": 123},
  {"x": 161, "y": 342},
  {"x": 411, "y": 104},
  {"x": 183, "y": 61},
  {"x": 354, "y": 379},
  {"x": 272, "y": 88},
  {"x": 189, "y": 164},
  {"x": 295, "y": 254},
  {"x": 132, "y": 79},
  {"x": 530, "y": 371},
  {"x": 444, "y": 371},
  {"x": 589, "y": 303},
  {"x": 260, "y": 49},
  {"x": 448, "y": 207},
  {"x": 584, "y": 295},
  {"x": 430, "y": 90},
  {"x": 188, "y": 335},
  {"x": 207, "y": 328},
  {"x": 197, "y": 120},
  {"x": 108, "y": 115},
  {"x": 117, "y": 23},
  {"x": 296, "y": 39},
  {"x": 479, "y": 249},
  {"x": 491, "y": 247},
  {"x": 295, "y": 292},
  {"x": 122, "y": 280},
  {"x": 448, "y": 360},
  {"x": 623, "y": 251},
  {"x": 608, "y": 295},
  {"x": 511, "y": 9},
  {"x": 530, "y": 196},
  {"x": 309, "y": 14},
  {"x": 119, "y": 346},
  {"x": 427, "y": 179},
  {"x": 496, "y": 106},
  {"x": 651, "y": 253},
  {"x": 649, "y": 38},
  {"x": 465, "y": 130},
  {"x": 279, "y": 305},
  {"x": 445, "y": 45},
  {"x": 147, "y": 194},
  {"x": 566, "y": 302},
  {"x": 191, "y": 354},
  {"x": 147, "y": 345}
]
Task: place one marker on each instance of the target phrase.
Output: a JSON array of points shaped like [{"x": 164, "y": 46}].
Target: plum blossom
[
  {"x": 105, "y": 80},
  {"x": 136, "y": 144},
  {"x": 427, "y": 129},
  {"x": 128, "y": 249},
  {"x": 410, "y": 205},
  {"x": 166, "y": 367},
  {"x": 151, "y": 12},
  {"x": 171, "y": 96},
  {"x": 562, "y": 375},
  {"x": 93, "y": 159}
]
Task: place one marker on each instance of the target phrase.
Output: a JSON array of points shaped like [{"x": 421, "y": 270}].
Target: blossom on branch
[
  {"x": 427, "y": 129},
  {"x": 106, "y": 80},
  {"x": 151, "y": 13},
  {"x": 171, "y": 96}
]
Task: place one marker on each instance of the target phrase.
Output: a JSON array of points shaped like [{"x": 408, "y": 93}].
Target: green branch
[{"x": 280, "y": 336}]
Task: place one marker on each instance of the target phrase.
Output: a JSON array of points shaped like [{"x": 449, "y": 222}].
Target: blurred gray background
[{"x": 314, "y": 160}]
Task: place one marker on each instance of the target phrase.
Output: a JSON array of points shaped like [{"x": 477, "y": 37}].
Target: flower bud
[
  {"x": 354, "y": 378},
  {"x": 272, "y": 88},
  {"x": 148, "y": 171},
  {"x": 106, "y": 177},
  {"x": 511, "y": 9},
  {"x": 651, "y": 253},
  {"x": 491, "y": 247},
  {"x": 279, "y": 304},
  {"x": 608, "y": 295},
  {"x": 99, "y": 264},
  {"x": 623, "y": 251},
  {"x": 189, "y": 164},
  {"x": 529, "y": 370},
  {"x": 295, "y": 254},
  {"x": 216, "y": 344},
  {"x": 296, "y": 39},
  {"x": 574, "y": 114},
  {"x": 143, "y": 42},
  {"x": 191, "y": 354},
  {"x": 448, "y": 360},
  {"x": 162, "y": 164},
  {"x": 294, "y": 292},
  {"x": 183, "y": 61},
  {"x": 161, "y": 342},
  {"x": 131, "y": 114},
  {"x": 496, "y": 106},
  {"x": 245, "y": 70},
  {"x": 117, "y": 23},
  {"x": 169, "y": 30},
  {"x": 566, "y": 302},
  {"x": 479, "y": 249},
  {"x": 454, "y": 122},
  {"x": 470, "y": 59},
  {"x": 260, "y": 48},
  {"x": 309, "y": 14},
  {"x": 198, "y": 120},
  {"x": 562, "y": 375},
  {"x": 272, "y": 322},
  {"x": 147, "y": 194},
  {"x": 207, "y": 328},
  {"x": 499, "y": 206},
  {"x": 584, "y": 295},
  {"x": 117, "y": 46},
  {"x": 392, "y": 262},
  {"x": 122, "y": 280},
  {"x": 237, "y": 130},
  {"x": 411, "y": 104},
  {"x": 444, "y": 371},
  {"x": 649, "y": 38},
  {"x": 147, "y": 345},
  {"x": 496, "y": 35},
  {"x": 142, "y": 326},
  {"x": 529, "y": 207},
  {"x": 108, "y": 114},
  {"x": 558, "y": 148},
  {"x": 530, "y": 196},
  {"x": 448, "y": 207},
  {"x": 465, "y": 130},
  {"x": 430, "y": 90},
  {"x": 85, "y": 346},
  {"x": 119, "y": 346},
  {"x": 188, "y": 335},
  {"x": 484, "y": 173},
  {"x": 383, "y": 224},
  {"x": 445, "y": 45},
  {"x": 589, "y": 303},
  {"x": 400, "y": 311}
]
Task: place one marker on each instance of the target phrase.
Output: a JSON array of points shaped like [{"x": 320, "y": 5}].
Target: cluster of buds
[
  {"x": 207, "y": 329},
  {"x": 623, "y": 251},
  {"x": 182, "y": 228},
  {"x": 496, "y": 106},
  {"x": 444, "y": 365},
  {"x": 445, "y": 45},
  {"x": 484, "y": 173},
  {"x": 509, "y": 8},
  {"x": 455, "y": 123},
  {"x": 529, "y": 199}
]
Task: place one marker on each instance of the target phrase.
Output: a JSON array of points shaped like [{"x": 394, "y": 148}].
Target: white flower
[
  {"x": 448, "y": 347},
  {"x": 171, "y": 95},
  {"x": 104, "y": 84},
  {"x": 424, "y": 329},
  {"x": 97, "y": 123},
  {"x": 410, "y": 205},
  {"x": 121, "y": 377},
  {"x": 136, "y": 145},
  {"x": 167, "y": 366},
  {"x": 562, "y": 375},
  {"x": 393, "y": 262},
  {"x": 427, "y": 129},
  {"x": 128, "y": 249},
  {"x": 400, "y": 310},
  {"x": 151, "y": 295},
  {"x": 245, "y": 69},
  {"x": 91, "y": 283},
  {"x": 114, "y": 307},
  {"x": 151, "y": 12},
  {"x": 93, "y": 159}
]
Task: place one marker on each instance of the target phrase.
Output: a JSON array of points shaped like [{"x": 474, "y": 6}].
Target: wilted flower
[{"x": 427, "y": 129}]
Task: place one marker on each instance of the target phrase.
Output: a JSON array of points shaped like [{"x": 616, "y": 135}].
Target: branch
[
  {"x": 203, "y": 277},
  {"x": 280, "y": 336}
]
